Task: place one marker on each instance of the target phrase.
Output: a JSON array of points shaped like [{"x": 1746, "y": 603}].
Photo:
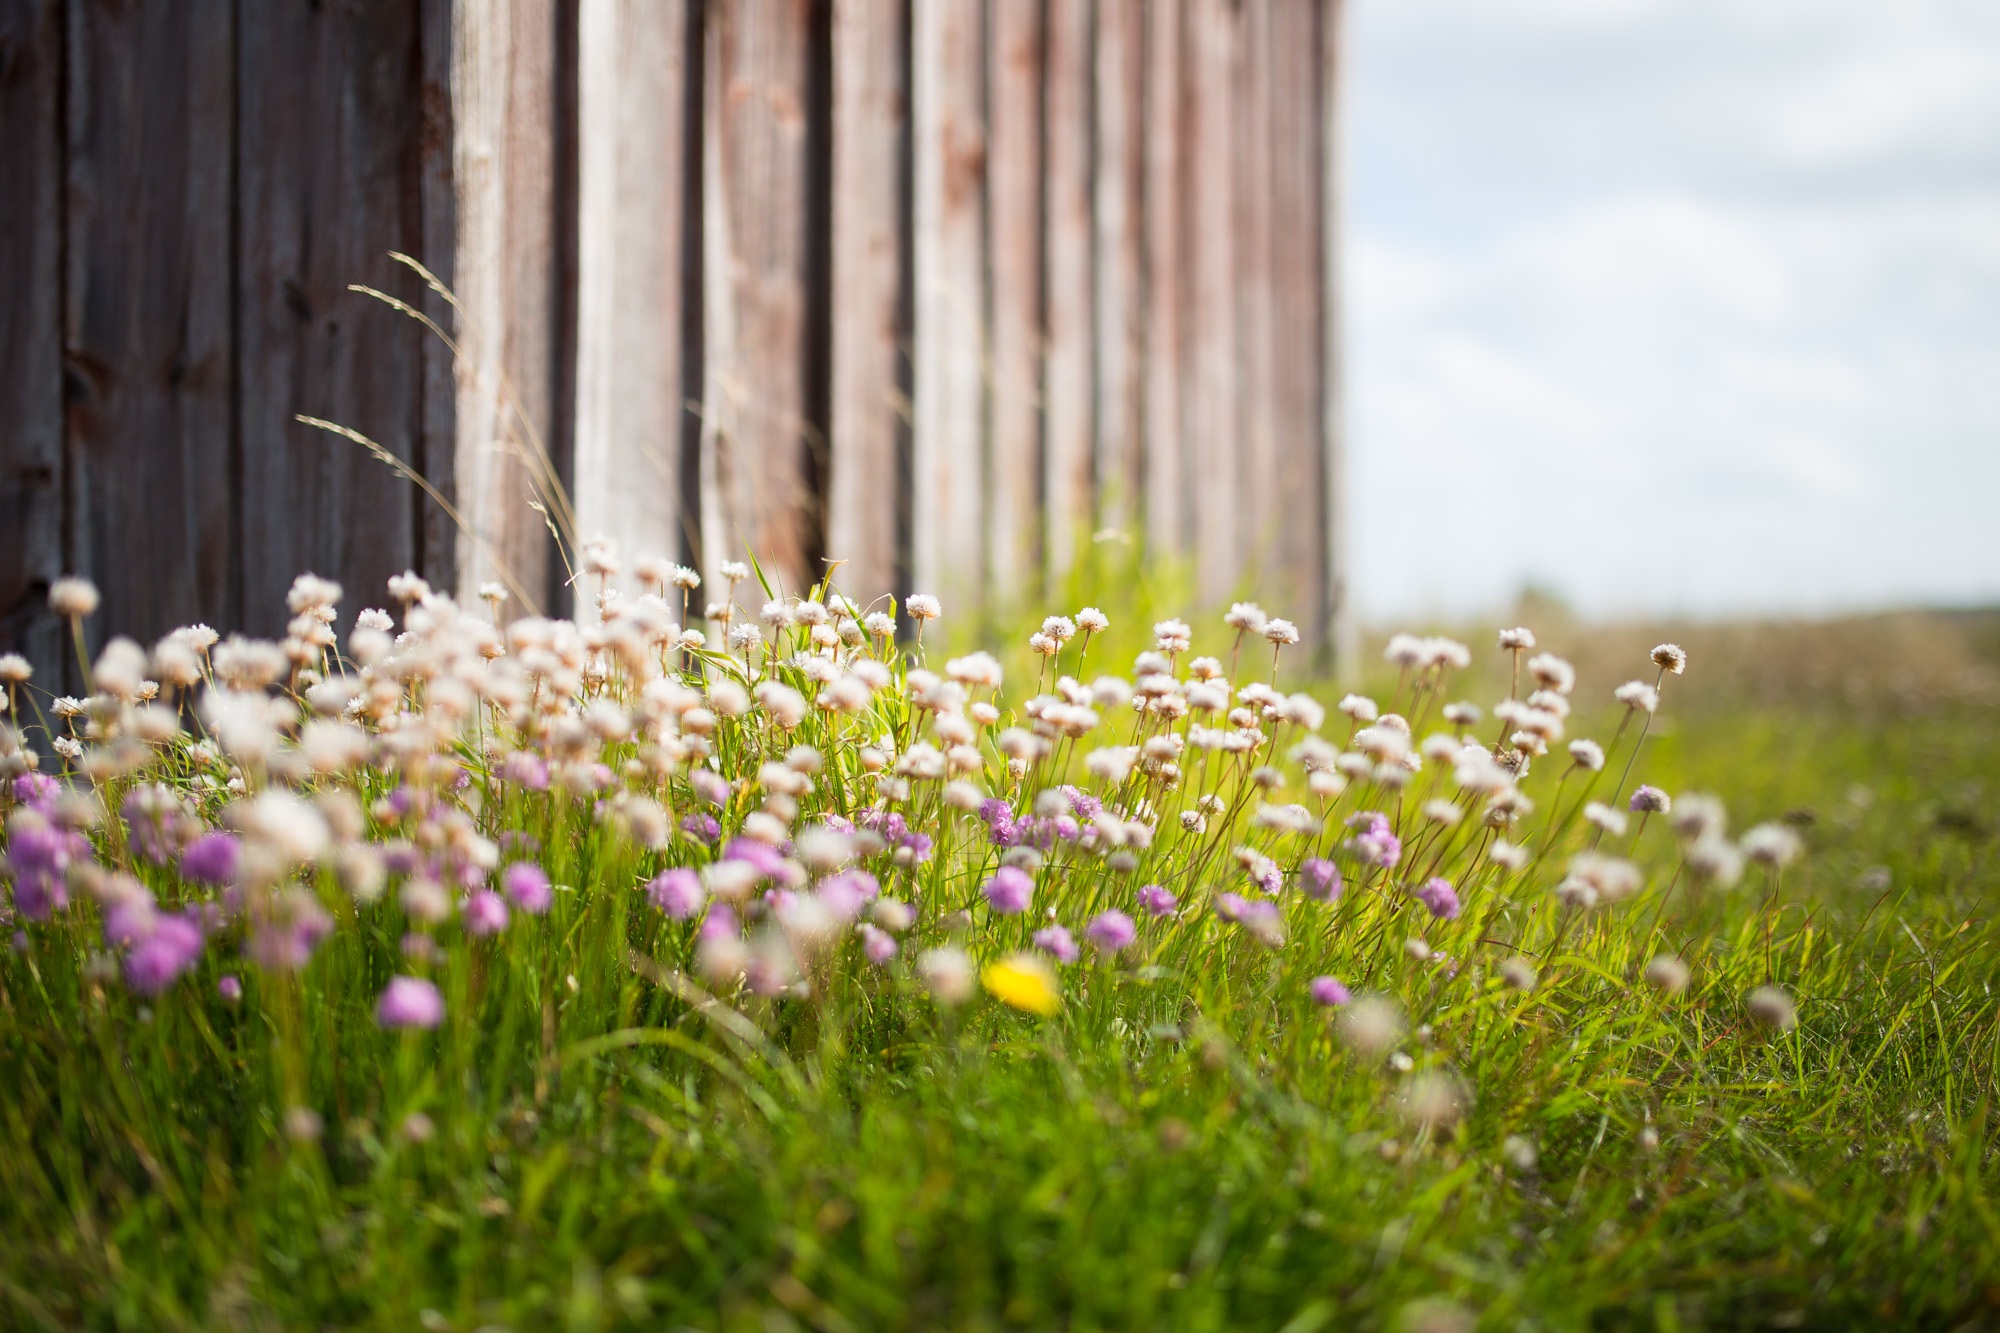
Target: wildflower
[
  {"x": 923, "y": 606},
  {"x": 167, "y": 950},
  {"x": 1009, "y": 891},
  {"x": 1604, "y": 817},
  {"x": 1157, "y": 901},
  {"x": 1377, "y": 844},
  {"x": 1371, "y": 1025},
  {"x": 1245, "y": 618},
  {"x": 73, "y": 598},
  {"x": 735, "y": 571},
  {"x": 1651, "y": 801},
  {"x": 947, "y": 972},
  {"x": 1173, "y": 637},
  {"x": 1362, "y": 710},
  {"x": 1440, "y": 897},
  {"x": 1024, "y": 982},
  {"x": 1670, "y": 657},
  {"x": 1771, "y": 1009},
  {"x": 1638, "y": 696},
  {"x": 211, "y": 859},
  {"x": 1667, "y": 974},
  {"x": 1111, "y": 931},
  {"x": 1700, "y": 816},
  {"x": 1716, "y": 859},
  {"x": 1280, "y": 632},
  {"x": 1518, "y": 640},
  {"x": 1462, "y": 714},
  {"x": 230, "y": 989},
  {"x": 410, "y": 1002},
  {"x": 1772, "y": 845},
  {"x": 485, "y": 913},
  {"x": 1320, "y": 879},
  {"x": 14, "y": 669},
  {"x": 1057, "y": 942},
  {"x": 527, "y": 885},
  {"x": 289, "y": 927},
  {"x": 1586, "y": 754},
  {"x": 878, "y": 946},
  {"x": 1518, "y": 973},
  {"x": 1613, "y": 878},
  {"x": 1432, "y": 1100},
  {"x": 1092, "y": 621},
  {"x": 1553, "y": 672},
  {"x": 1328, "y": 992}
]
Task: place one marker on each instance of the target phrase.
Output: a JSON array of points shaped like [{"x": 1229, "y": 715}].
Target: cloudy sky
[{"x": 1675, "y": 305}]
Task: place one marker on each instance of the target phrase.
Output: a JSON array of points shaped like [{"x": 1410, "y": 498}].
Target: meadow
[{"x": 812, "y": 969}]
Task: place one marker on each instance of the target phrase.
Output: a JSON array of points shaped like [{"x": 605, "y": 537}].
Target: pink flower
[{"x": 410, "y": 1002}]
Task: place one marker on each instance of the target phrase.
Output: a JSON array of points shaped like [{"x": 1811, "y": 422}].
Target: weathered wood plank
[
  {"x": 1297, "y": 360},
  {"x": 1251, "y": 443},
  {"x": 31, "y": 332},
  {"x": 1067, "y": 463},
  {"x": 1167, "y": 497},
  {"x": 867, "y": 492},
  {"x": 330, "y": 177},
  {"x": 1342, "y": 636},
  {"x": 1119, "y": 266},
  {"x": 1211, "y": 381},
  {"x": 503, "y": 89},
  {"x": 146, "y": 340},
  {"x": 632, "y": 189},
  {"x": 755, "y": 289},
  {"x": 1014, "y": 49},
  {"x": 949, "y": 152},
  {"x": 437, "y": 536}
]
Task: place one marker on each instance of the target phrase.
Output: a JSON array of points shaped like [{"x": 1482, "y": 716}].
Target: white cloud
[{"x": 1689, "y": 306}]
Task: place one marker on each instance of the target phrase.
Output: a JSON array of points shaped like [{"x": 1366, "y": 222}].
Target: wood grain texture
[
  {"x": 1212, "y": 379},
  {"x": 436, "y": 540},
  {"x": 1251, "y": 443},
  {"x": 31, "y": 333},
  {"x": 633, "y": 197},
  {"x": 1068, "y": 375},
  {"x": 949, "y": 164},
  {"x": 330, "y": 178},
  {"x": 503, "y": 90},
  {"x": 1166, "y": 126},
  {"x": 1342, "y": 634},
  {"x": 147, "y": 336},
  {"x": 1298, "y": 505},
  {"x": 1119, "y": 265},
  {"x": 1014, "y": 48},
  {"x": 755, "y": 289},
  {"x": 867, "y": 490}
]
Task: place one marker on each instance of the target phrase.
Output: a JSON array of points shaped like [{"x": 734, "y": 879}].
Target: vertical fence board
[
  {"x": 1118, "y": 165},
  {"x": 147, "y": 337},
  {"x": 504, "y": 159},
  {"x": 1298, "y": 501},
  {"x": 1341, "y": 637},
  {"x": 1067, "y": 375},
  {"x": 866, "y": 491},
  {"x": 31, "y": 332},
  {"x": 1211, "y": 382},
  {"x": 436, "y": 539},
  {"x": 330, "y": 170},
  {"x": 1250, "y": 442},
  {"x": 949, "y": 163},
  {"x": 632, "y": 176},
  {"x": 1166, "y": 497},
  {"x": 1014, "y": 182}
]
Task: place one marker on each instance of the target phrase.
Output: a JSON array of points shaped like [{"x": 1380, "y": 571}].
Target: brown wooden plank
[
  {"x": 31, "y": 332},
  {"x": 331, "y": 170},
  {"x": 949, "y": 166},
  {"x": 146, "y": 339},
  {"x": 1297, "y": 292},
  {"x": 1067, "y": 463},
  {"x": 1211, "y": 381},
  {"x": 1167, "y": 497},
  {"x": 755, "y": 288},
  {"x": 1253, "y": 444},
  {"x": 1014, "y": 47},
  {"x": 1119, "y": 267},
  {"x": 632, "y": 190},
  {"x": 1342, "y": 633},
  {"x": 503, "y": 89},
  {"x": 866, "y": 489},
  {"x": 436, "y": 541}
]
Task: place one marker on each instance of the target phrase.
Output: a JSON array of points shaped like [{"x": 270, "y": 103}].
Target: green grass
[{"x": 1187, "y": 1144}]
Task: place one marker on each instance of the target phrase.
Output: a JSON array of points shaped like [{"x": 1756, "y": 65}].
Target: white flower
[
  {"x": 1519, "y": 639},
  {"x": 1172, "y": 636},
  {"x": 1281, "y": 632},
  {"x": 1670, "y": 657},
  {"x": 923, "y": 606},
  {"x": 73, "y": 598},
  {"x": 1360, "y": 708},
  {"x": 1553, "y": 672},
  {"x": 735, "y": 571},
  {"x": 1637, "y": 695},
  {"x": 1059, "y": 628},
  {"x": 1587, "y": 754},
  {"x": 1092, "y": 621},
  {"x": 1246, "y": 617}
]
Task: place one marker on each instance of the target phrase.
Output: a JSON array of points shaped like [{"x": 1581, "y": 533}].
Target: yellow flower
[{"x": 1023, "y": 981}]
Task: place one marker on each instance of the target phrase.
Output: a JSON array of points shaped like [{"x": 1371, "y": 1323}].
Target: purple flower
[
  {"x": 919, "y": 847},
  {"x": 1009, "y": 890},
  {"x": 720, "y": 923},
  {"x": 289, "y": 929},
  {"x": 1377, "y": 844},
  {"x": 1320, "y": 879},
  {"x": 846, "y": 893},
  {"x": 1000, "y": 824},
  {"x": 877, "y": 945},
  {"x": 211, "y": 858},
  {"x": 1329, "y": 992},
  {"x": 37, "y": 791},
  {"x": 677, "y": 892},
  {"x": 709, "y": 785},
  {"x": 1441, "y": 898},
  {"x": 525, "y": 768},
  {"x": 1157, "y": 901},
  {"x": 485, "y": 913},
  {"x": 1085, "y": 805},
  {"x": 704, "y": 829},
  {"x": 1650, "y": 801},
  {"x": 1262, "y": 919},
  {"x": 1111, "y": 931},
  {"x": 410, "y": 1002},
  {"x": 163, "y": 955},
  {"x": 1266, "y": 875},
  {"x": 1057, "y": 941},
  {"x": 229, "y": 988},
  {"x": 1066, "y": 828},
  {"x": 767, "y": 860},
  {"x": 39, "y": 855},
  {"x": 527, "y": 884},
  {"x": 1230, "y": 906}
]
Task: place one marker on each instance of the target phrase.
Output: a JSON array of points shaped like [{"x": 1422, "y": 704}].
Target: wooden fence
[{"x": 936, "y": 287}]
